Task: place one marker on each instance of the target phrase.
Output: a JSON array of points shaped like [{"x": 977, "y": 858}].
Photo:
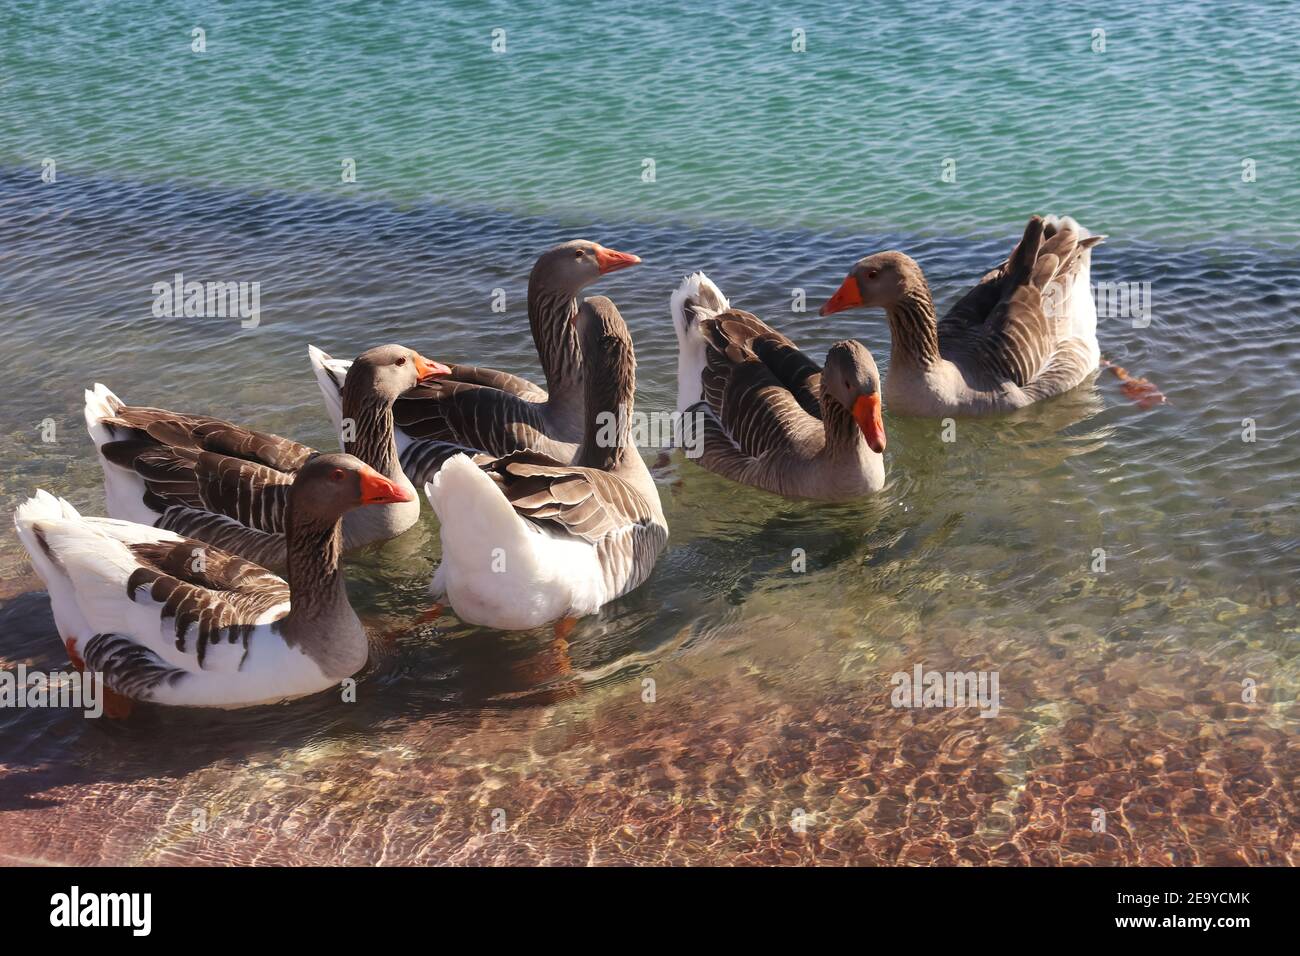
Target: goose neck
[
  {"x": 550, "y": 317},
  {"x": 609, "y": 391},
  {"x": 317, "y": 592},
  {"x": 368, "y": 430},
  {"x": 913, "y": 328}
]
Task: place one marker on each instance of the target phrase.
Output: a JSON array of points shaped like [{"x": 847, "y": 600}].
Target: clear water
[{"x": 774, "y": 170}]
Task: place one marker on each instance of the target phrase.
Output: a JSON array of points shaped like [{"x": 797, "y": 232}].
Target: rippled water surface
[{"x": 1121, "y": 690}]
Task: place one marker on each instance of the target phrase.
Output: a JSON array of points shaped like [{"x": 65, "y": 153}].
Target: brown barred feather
[
  {"x": 587, "y": 503},
  {"x": 475, "y": 416},
  {"x": 791, "y": 367},
  {"x": 212, "y": 434},
  {"x": 261, "y": 547},
  {"x": 759, "y": 413},
  {"x": 128, "y": 668},
  {"x": 209, "y": 595},
  {"x": 494, "y": 412}
]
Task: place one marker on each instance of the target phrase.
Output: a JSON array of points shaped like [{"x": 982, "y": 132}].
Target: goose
[
  {"x": 1027, "y": 330},
  {"x": 171, "y": 620},
  {"x": 529, "y": 540},
  {"x": 230, "y": 486},
  {"x": 485, "y": 410},
  {"x": 765, "y": 413}
]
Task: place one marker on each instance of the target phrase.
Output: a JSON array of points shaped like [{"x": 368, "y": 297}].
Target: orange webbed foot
[
  {"x": 70, "y": 645},
  {"x": 1141, "y": 391},
  {"x": 563, "y": 628},
  {"x": 117, "y": 706},
  {"x": 431, "y": 615}
]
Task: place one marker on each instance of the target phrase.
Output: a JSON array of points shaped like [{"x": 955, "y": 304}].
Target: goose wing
[
  {"x": 1012, "y": 322},
  {"x": 586, "y": 503},
  {"x": 205, "y": 593},
  {"x": 759, "y": 413},
  {"x": 252, "y": 493},
  {"x": 475, "y": 416},
  {"x": 160, "y": 606},
  {"x": 168, "y": 428},
  {"x": 788, "y": 364},
  {"x": 501, "y": 381}
]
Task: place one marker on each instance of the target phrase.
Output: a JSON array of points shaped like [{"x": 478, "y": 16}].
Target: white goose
[
  {"x": 1027, "y": 330},
  {"x": 528, "y": 540},
  {"x": 228, "y": 485},
  {"x": 170, "y": 620}
]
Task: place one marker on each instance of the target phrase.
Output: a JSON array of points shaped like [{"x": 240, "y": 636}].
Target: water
[{"x": 771, "y": 689}]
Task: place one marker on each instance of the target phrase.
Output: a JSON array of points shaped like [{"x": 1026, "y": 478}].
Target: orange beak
[
  {"x": 378, "y": 490},
  {"x": 427, "y": 368},
  {"x": 610, "y": 261},
  {"x": 866, "y": 412},
  {"x": 847, "y": 296}
]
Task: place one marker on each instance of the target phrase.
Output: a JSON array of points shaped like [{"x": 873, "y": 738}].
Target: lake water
[{"x": 1161, "y": 691}]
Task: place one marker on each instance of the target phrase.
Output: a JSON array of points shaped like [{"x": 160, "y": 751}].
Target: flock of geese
[{"x": 544, "y": 515}]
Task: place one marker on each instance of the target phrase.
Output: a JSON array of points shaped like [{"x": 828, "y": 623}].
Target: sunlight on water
[{"x": 740, "y": 689}]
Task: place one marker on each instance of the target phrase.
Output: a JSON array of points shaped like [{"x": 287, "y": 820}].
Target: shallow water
[{"x": 1120, "y": 691}]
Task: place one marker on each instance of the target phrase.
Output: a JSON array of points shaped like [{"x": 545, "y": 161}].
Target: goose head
[
  {"x": 878, "y": 281},
  {"x": 572, "y": 266},
  {"x": 851, "y": 378},
  {"x": 387, "y": 371},
  {"x": 330, "y": 485}
]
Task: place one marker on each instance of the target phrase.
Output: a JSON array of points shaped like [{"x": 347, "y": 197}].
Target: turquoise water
[
  {"x": 774, "y": 170},
  {"x": 1147, "y": 136}
]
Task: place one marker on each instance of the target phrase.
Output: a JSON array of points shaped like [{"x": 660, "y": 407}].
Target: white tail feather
[
  {"x": 695, "y": 288},
  {"x": 124, "y": 490},
  {"x": 100, "y": 404},
  {"x": 1083, "y": 307},
  {"x": 498, "y": 570},
  {"x": 474, "y": 516},
  {"x": 43, "y": 507},
  {"x": 330, "y": 375}
]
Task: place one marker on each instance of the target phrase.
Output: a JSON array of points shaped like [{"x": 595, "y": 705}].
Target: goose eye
[
  {"x": 338, "y": 474},
  {"x": 401, "y": 361},
  {"x": 872, "y": 273},
  {"x": 578, "y": 253}
]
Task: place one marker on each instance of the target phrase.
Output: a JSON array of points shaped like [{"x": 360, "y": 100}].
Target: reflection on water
[{"x": 746, "y": 686}]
